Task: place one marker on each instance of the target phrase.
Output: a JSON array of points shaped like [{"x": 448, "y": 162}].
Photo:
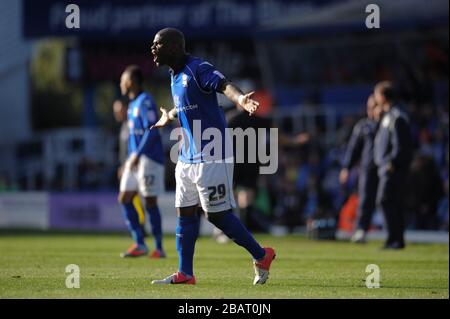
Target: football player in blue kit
[
  {"x": 143, "y": 171},
  {"x": 201, "y": 177}
]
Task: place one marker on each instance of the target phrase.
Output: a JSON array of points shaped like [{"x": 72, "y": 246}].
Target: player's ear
[{"x": 129, "y": 82}]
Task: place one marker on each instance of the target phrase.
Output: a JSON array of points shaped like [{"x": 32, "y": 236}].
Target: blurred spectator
[
  {"x": 90, "y": 174},
  {"x": 425, "y": 190},
  {"x": 443, "y": 208},
  {"x": 392, "y": 156},
  {"x": 6, "y": 183},
  {"x": 360, "y": 149},
  {"x": 246, "y": 174},
  {"x": 288, "y": 206}
]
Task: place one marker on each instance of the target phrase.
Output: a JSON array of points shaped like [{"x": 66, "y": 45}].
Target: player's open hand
[
  {"x": 248, "y": 103},
  {"x": 163, "y": 121}
]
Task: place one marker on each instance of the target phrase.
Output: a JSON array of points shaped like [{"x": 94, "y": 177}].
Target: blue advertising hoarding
[{"x": 141, "y": 19}]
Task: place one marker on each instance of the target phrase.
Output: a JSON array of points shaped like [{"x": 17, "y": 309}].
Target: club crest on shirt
[{"x": 184, "y": 80}]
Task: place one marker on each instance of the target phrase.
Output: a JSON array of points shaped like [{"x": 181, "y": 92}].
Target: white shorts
[
  {"x": 147, "y": 178},
  {"x": 208, "y": 184}
]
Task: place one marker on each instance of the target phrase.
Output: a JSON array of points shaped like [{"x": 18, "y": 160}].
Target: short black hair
[
  {"x": 174, "y": 36},
  {"x": 388, "y": 89},
  {"x": 135, "y": 73}
]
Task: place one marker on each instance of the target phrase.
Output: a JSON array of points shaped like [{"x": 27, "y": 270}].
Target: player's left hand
[
  {"x": 249, "y": 104},
  {"x": 164, "y": 120},
  {"x": 133, "y": 161}
]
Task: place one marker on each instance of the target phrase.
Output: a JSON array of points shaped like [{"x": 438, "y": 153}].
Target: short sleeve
[{"x": 209, "y": 78}]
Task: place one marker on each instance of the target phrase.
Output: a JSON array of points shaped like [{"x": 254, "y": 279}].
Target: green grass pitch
[{"x": 33, "y": 266}]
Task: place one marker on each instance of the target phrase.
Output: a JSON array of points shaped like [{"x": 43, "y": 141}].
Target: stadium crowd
[{"x": 307, "y": 183}]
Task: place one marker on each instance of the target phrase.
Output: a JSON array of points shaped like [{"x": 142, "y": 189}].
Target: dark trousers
[
  {"x": 367, "y": 193},
  {"x": 390, "y": 201}
]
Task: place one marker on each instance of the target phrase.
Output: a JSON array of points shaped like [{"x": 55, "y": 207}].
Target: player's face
[
  {"x": 120, "y": 111},
  {"x": 379, "y": 97},
  {"x": 125, "y": 83},
  {"x": 371, "y": 104},
  {"x": 159, "y": 51},
  {"x": 377, "y": 112}
]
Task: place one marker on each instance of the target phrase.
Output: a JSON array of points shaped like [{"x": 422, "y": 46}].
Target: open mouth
[{"x": 155, "y": 57}]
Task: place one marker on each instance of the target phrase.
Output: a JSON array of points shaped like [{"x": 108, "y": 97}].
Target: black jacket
[
  {"x": 360, "y": 145},
  {"x": 393, "y": 141}
]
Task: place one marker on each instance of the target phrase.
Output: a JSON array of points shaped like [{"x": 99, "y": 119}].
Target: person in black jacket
[
  {"x": 392, "y": 155},
  {"x": 360, "y": 149}
]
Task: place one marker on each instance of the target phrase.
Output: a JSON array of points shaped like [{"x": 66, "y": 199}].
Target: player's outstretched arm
[
  {"x": 236, "y": 95},
  {"x": 166, "y": 117}
]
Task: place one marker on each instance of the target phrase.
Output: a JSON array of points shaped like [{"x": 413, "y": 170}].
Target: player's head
[
  {"x": 120, "y": 107},
  {"x": 168, "y": 46},
  {"x": 131, "y": 80},
  {"x": 384, "y": 93},
  {"x": 370, "y": 106}
]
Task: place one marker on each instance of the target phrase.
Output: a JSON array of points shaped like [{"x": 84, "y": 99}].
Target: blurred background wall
[{"x": 313, "y": 64}]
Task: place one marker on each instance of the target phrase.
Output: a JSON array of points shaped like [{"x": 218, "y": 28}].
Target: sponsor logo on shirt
[{"x": 187, "y": 108}]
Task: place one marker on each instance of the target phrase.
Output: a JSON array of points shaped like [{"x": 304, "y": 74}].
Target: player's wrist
[
  {"x": 172, "y": 114},
  {"x": 241, "y": 100}
]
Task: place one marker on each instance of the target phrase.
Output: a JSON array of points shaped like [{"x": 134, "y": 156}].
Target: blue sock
[
  {"x": 132, "y": 220},
  {"x": 187, "y": 233},
  {"x": 233, "y": 228},
  {"x": 155, "y": 222}
]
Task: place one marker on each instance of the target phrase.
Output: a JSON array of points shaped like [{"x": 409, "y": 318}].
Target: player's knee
[
  {"x": 124, "y": 198},
  {"x": 215, "y": 218},
  {"x": 151, "y": 202},
  {"x": 187, "y": 211}
]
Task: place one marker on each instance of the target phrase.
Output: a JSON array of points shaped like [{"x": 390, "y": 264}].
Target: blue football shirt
[
  {"x": 141, "y": 115},
  {"x": 194, "y": 92}
]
